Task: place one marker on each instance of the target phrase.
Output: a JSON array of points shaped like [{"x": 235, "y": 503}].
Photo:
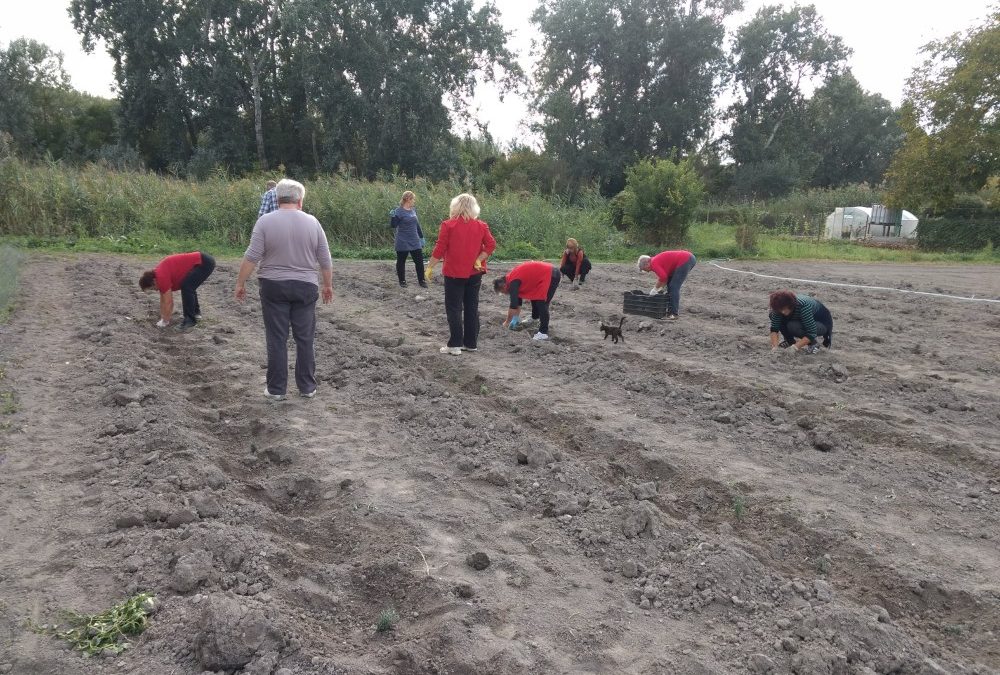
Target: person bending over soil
[
  {"x": 575, "y": 264},
  {"x": 671, "y": 269},
  {"x": 800, "y": 321},
  {"x": 535, "y": 281},
  {"x": 183, "y": 272}
]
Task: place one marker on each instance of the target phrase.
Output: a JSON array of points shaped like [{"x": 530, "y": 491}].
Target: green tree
[
  {"x": 43, "y": 114},
  {"x": 32, "y": 79},
  {"x": 951, "y": 121},
  {"x": 310, "y": 84},
  {"x": 776, "y": 55},
  {"x": 624, "y": 79},
  {"x": 853, "y": 133},
  {"x": 659, "y": 200}
]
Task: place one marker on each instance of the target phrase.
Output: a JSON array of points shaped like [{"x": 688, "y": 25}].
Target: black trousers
[
  {"x": 540, "y": 308},
  {"x": 461, "y": 302},
  {"x": 569, "y": 269},
  {"x": 189, "y": 287},
  {"x": 287, "y": 304},
  {"x": 418, "y": 263}
]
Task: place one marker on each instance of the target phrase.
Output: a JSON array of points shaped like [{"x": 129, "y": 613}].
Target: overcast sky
[{"x": 885, "y": 35}]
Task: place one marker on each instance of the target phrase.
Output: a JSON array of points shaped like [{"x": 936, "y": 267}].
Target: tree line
[{"x": 373, "y": 87}]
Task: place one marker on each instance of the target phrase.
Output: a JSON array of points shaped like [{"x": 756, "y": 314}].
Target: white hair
[
  {"x": 465, "y": 206},
  {"x": 643, "y": 262},
  {"x": 289, "y": 191}
]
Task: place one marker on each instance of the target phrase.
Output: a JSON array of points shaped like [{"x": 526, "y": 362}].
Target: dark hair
[
  {"x": 498, "y": 284},
  {"x": 783, "y": 299},
  {"x": 147, "y": 280}
]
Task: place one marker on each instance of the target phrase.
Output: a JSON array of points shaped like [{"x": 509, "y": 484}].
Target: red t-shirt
[
  {"x": 664, "y": 264},
  {"x": 535, "y": 278},
  {"x": 171, "y": 271},
  {"x": 459, "y": 243}
]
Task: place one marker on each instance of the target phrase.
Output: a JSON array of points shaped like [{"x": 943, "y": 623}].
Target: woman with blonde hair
[
  {"x": 464, "y": 243},
  {"x": 409, "y": 238},
  {"x": 575, "y": 265}
]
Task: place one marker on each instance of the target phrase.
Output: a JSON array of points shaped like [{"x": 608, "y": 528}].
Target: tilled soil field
[{"x": 684, "y": 502}]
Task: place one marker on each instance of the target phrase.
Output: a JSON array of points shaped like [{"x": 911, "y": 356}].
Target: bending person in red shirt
[
  {"x": 536, "y": 281},
  {"x": 464, "y": 243},
  {"x": 671, "y": 269},
  {"x": 183, "y": 272}
]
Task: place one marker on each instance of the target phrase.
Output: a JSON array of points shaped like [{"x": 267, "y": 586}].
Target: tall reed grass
[{"x": 137, "y": 210}]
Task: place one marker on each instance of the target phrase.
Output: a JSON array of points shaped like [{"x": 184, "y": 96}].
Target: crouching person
[
  {"x": 535, "y": 281},
  {"x": 799, "y": 321},
  {"x": 575, "y": 265}
]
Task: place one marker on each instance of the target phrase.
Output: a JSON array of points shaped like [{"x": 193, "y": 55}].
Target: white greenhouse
[{"x": 870, "y": 222}]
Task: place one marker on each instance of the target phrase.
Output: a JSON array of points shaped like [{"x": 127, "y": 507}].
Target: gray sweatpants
[{"x": 284, "y": 304}]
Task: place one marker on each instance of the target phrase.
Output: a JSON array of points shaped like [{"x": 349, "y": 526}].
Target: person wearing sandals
[
  {"x": 671, "y": 269},
  {"x": 800, "y": 321},
  {"x": 464, "y": 243},
  {"x": 536, "y": 281},
  {"x": 409, "y": 238}
]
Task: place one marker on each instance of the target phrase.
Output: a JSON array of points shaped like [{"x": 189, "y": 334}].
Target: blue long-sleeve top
[{"x": 407, "y": 227}]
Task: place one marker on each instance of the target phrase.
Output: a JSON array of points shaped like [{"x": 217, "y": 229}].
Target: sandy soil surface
[{"x": 684, "y": 502}]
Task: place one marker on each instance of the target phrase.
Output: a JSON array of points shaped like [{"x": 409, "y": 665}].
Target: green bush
[{"x": 659, "y": 200}]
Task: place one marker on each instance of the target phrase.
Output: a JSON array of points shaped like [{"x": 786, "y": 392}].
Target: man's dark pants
[
  {"x": 284, "y": 304},
  {"x": 189, "y": 287},
  {"x": 461, "y": 302}
]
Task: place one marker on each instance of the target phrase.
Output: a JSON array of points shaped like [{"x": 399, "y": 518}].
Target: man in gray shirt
[{"x": 286, "y": 247}]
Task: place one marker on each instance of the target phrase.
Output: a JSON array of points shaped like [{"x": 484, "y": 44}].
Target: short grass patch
[
  {"x": 10, "y": 263},
  {"x": 387, "y": 620},
  {"x": 106, "y": 633}
]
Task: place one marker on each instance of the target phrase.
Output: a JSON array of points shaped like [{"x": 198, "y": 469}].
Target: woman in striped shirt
[{"x": 800, "y": 320}]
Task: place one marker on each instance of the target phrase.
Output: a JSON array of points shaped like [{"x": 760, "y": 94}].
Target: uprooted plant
[{"x": 104, "y": 633}]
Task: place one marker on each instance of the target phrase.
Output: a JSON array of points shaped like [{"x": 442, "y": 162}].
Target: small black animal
[{"x": 614, "y": 331}]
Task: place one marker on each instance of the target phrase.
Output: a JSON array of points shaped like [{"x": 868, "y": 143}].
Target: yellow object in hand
[
  {"x": 478, "y": 265},
  {"x": 428, "y": 273}
]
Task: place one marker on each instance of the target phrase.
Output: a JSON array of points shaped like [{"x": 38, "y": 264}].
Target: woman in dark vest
[{"x": 409, "y": 238}]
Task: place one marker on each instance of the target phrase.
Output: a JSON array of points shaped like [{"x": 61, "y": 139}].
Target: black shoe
[
  {"x": 402, "y": 284},
  {"x": 783, "y": 344},
  {"x": 188, "y": 323},
  {"x": 582, "y": 280},
  {"x": 423, "y": 284}
]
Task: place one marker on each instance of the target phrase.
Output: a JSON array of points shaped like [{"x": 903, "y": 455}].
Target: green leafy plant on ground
[{"x": 104, "y": 633}]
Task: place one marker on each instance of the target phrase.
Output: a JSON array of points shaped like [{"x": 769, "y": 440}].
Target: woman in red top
[
  {"x": 183, "y": 272},
  {"x": 536, "y": 281},
  {"x": 671, "y": 269},
  {"x": 464, "y": 243}
]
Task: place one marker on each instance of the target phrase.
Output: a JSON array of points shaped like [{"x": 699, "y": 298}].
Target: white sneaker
[
  {"x": 309, "y": 395},
  {"x": 273, "y": 397},
  {"x": 469, "y": 349},
  {"x": 540, "y": 336},
  {"x": 454, "y": 351}
]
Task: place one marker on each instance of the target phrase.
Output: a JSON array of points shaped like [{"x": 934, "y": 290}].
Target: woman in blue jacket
[{"x": 409, "y": 238}]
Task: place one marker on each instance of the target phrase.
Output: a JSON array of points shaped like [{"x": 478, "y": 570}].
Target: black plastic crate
[{"x": 644, "y": 304}]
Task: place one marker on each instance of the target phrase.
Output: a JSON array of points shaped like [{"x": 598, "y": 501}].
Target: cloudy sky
[{"x": 886, "y": 36}]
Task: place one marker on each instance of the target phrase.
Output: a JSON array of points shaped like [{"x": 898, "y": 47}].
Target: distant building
[{"x": 870, "y": 222}]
